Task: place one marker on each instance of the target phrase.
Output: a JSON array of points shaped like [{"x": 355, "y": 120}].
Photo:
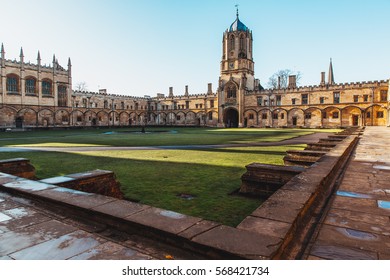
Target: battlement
[{"x": 334, "y": 87}]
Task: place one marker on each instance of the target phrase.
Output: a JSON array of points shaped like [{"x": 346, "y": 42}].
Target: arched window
[
  {"x": 105, "y": 104},
  {"x": 62, "y": 96},
  {"x": 231, "y": 43},
  {"x": 47, "y": 87},
  {"x": 12, "y": 83},
  {"x": 31, "y": 87},
  {"x": 231, "y": 91},
  {"x": 242, "y": 42}
]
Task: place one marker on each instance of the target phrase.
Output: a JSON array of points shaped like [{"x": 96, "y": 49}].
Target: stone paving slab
[
  {"x": 265, "y": 226},
  {"x": 284, "y": 211},
  {"x": 198, "y": 228},
  {"x": 76, "y": 198},
  {"x": 121, "y": 208},
  {"x": 111, "y": 251},
  {"x": 165, "y": 220},
  {"x": 63, "y": 247},
  {"x": 339, "y": 252},
  {"x": 239, "y": 242},
  {"x": 354, "y": 239}
]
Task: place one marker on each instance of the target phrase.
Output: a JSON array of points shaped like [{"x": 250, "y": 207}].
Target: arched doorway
[{"x": 230, "y": 117}]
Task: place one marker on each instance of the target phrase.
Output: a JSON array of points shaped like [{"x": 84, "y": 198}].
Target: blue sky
[{"x": 144, "y": 47}]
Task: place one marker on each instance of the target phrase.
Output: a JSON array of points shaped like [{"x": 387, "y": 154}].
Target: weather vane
[{"x": 236, "y": 8}]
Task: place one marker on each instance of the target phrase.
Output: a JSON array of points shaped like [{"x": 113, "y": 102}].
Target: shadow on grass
[{"x": 159, "y": 183}]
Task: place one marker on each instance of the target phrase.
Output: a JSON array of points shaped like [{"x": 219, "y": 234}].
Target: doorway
[
  {"x": 294, "y": 121},
  {"x": 230, "y": 117},
  {"x": 19, "y": 122},
  {"x": 355, "y": 120}
]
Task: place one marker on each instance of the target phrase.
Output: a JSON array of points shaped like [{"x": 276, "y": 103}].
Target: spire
[
  {"x": 69, "y": 62},
  {"x": 39, "y": 58},
  {"x": 21, "y": 52},
  {"x": 54, "y": 59},
  {"x": 2, "y": 50},
  {"x": 330, "y": 74}
]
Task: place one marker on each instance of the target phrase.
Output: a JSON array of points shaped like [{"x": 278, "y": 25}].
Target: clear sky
[{"x": 143, "y": 47}]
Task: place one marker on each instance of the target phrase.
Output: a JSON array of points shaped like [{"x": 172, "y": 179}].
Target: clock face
[{"x": 231, "y": 65}]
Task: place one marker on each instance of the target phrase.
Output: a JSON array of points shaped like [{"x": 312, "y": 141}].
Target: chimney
[
  {"x": 292, "y": 81},
  {"x": 171, "y": 92},
  {"x": 278, "y": 82},
  {"x": 209, "y": 88},
  {"x": 322, "y": 78},
  {"x": 186, "y": 92}
]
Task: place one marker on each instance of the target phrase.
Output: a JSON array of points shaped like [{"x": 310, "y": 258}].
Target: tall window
[
  {"x": 12, "y": 84},
  {"x": 231, "y": 43},
  {"x": 242, "y": 43},
  {"x": 231, "y": 91},
  {"x": 260, "y": 101},
  {"x": 322, "y": 100},
  {"x": 105, "y": 104},
  {"x": 278, "y": 100},
  {"x": 293, "y": 101},
  {"x": 211, "y": 103},
  {"x": 46, "y": 87},
  {"x": 336, "y": 97},
  {"x": 356, "y": 98},
  {"x": 62, "y": 96},
  {"x": 30, "y": 86},
  {"x": 305, "y": 99},
  {"x": 365, "y": 98},
  {"x": 383, "y": 95},
  {"x": 187, "y": 104},
  {"x": 210, "y": 116},
  {"x": 122, "y": 105}
]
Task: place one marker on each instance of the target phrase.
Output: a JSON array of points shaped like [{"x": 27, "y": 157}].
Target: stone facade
[{"x": 35, "y": 95}]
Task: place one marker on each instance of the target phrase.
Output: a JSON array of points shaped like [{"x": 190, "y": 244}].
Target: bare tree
[
  {"x": 81, "y": 86},
  {"x": 283, "y": 75}
]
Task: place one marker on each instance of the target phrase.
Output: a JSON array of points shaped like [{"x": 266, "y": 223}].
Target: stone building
[
  {"x": 35, "y": 95},
  {"x": 243, "y": 102}
]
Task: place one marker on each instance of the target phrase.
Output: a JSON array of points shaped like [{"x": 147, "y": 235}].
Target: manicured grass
[
  {"x": 157, "y": 177},
  {"x": 161, "y": 137}
]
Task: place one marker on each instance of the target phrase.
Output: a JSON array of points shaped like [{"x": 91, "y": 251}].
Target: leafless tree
[
  {"x": 81, "y": 86},
  {"x": 283, "y": 74}
]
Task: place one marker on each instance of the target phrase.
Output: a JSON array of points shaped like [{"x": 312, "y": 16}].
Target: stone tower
[{"x": 237, "y": 73}]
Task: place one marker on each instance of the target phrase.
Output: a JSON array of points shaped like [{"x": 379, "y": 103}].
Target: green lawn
[
  {"x": 157, "y": 177},
  {"x": 166, "y": 136}
]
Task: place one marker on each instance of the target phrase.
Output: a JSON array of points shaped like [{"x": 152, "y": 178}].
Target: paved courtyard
[{"x": 357, "y": 224}]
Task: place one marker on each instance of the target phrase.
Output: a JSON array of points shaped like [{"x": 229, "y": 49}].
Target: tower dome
[{"x": 237, "y": 25}]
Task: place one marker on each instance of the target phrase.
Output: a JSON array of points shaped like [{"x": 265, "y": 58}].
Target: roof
[{"x": 237, "y": 25}]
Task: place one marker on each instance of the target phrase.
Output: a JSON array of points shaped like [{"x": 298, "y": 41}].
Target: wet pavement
[
  {"x": 357, "y": 222},
  {"x": 30, "y": 231}
]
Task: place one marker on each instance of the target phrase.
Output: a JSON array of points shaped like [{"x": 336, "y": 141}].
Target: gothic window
[
  {"x": 278, "y": 100},
  {"x": 211, "y": 103},
  {"x": 122, "y": 105},
  {"x": 242, "y": 42},
  {"x": 379, "y": 114},
  {"x": 336, "y": 97},
  {"x": 383, "y": 95},
  {"x": 231, "y": 91},
  {"x": 335, "y": 115},
  {"x": 30, "y": 85},
  {"x": 365, "y": 98},
  {"x": 105, "y": 104},
  {"x": 260, "y": 101},
  {"x": 210, "y": 116},
  {"x": 62, "y": 96},
  {"x": 12, "y": 83},
  {"x": 231, "y": 43},
  {"x": 304, "y": 99},
  {"x": 275, "y": 116},
  {"x": 46, "y": 87},
  {"x": 187, "y": 104},
  {"x": 322, "y": 100}
]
